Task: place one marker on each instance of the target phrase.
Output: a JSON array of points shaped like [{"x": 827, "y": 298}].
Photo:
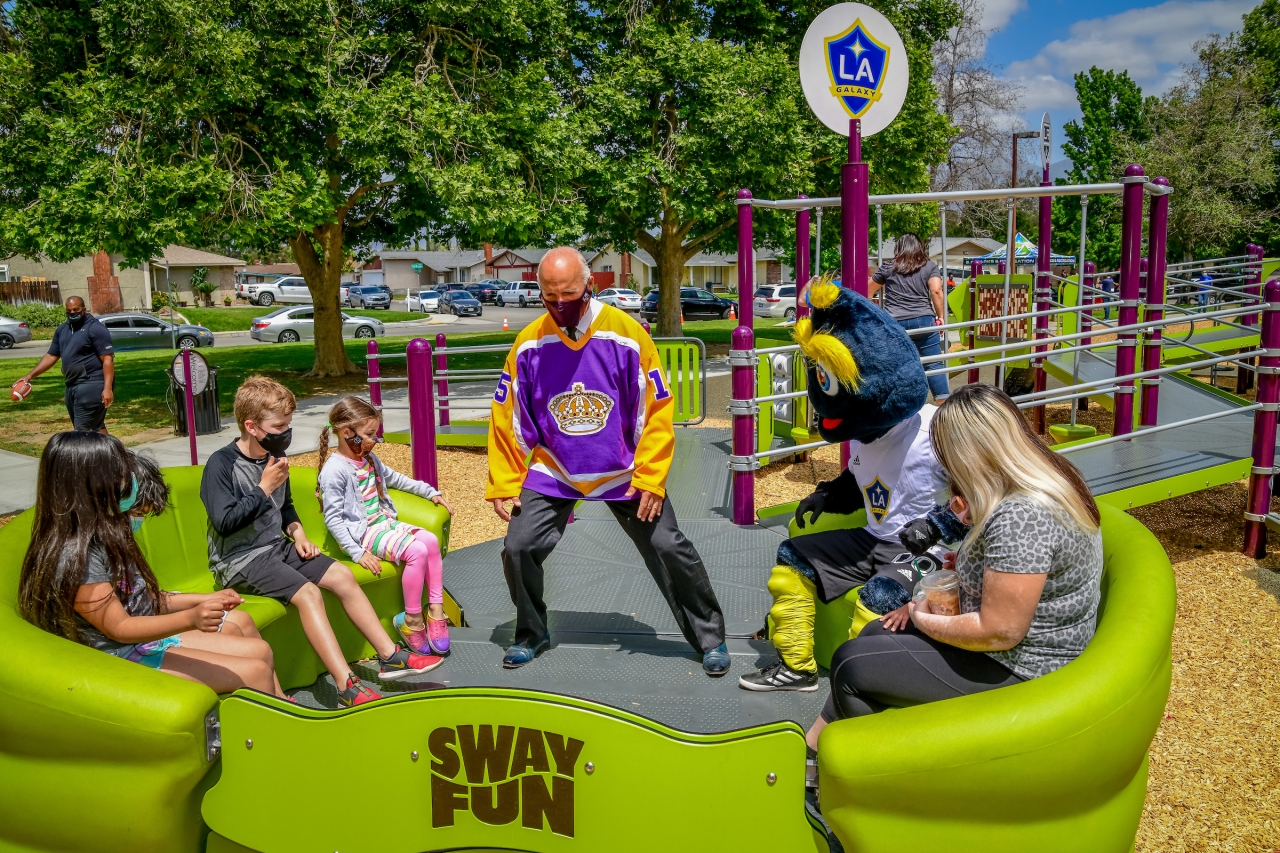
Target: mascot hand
[
  {"x": 840, "y": 496},
  {"x": 940, "y": 525}
]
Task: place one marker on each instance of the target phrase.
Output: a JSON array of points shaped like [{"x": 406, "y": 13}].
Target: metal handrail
[{"x": 1162, "y": 428}]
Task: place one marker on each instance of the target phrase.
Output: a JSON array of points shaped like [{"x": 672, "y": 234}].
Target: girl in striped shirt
[{"x": 359, "y": 513}]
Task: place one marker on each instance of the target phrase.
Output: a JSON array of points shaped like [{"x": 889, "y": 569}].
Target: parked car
[
  {"x": 290, "y": 288},
  {"x": 775, "y": 300},
  {"x": 138, "y": 331},
  {"x": 289, "y": 325},
  {"x": 695, "y": 304},
  {"x": 620, "y": 297},
  {"x": 518, "y": 293},
  {"x": 485, "y": 291},
  {"x": 368, "y": 296},
  {"x": 422, "y": 300},
  {"x": 13, "y": 332},
  {"x": 460, "y": 303}
]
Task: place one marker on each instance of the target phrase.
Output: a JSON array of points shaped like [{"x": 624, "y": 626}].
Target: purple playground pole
[
  {"x": 1087, "y": 298},
  {"x": 1130, "y": 253},
  {"x": 802, "y": 261},
  {"x": 1253, "y": 281},
  {"x": 975, "y": 270},
  {"x": 746, "y": 259},
  {"x": 1043, "y": 289},
  {"x": 190, "y": 400},
  {"x": 1264, "y": 428},
  {"x": 422, "y": 422},
  {"x": 375, "y": 373},
  {"x": 1001, "y": 266},
  {"x": 855, "y": 212},
  {"x": 645, "y": 324},
  {"x": 1157, "y": 261},
  {"x": 744, "y": 431},
  {"x": 442, "y": 381}
]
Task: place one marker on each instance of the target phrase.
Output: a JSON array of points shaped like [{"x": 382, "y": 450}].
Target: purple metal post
[
  {"x": 1157, "y": 261},
  {"x": 975, "y": 270},
  {"x": 1130, "y": 282},
  {"x": 1001, "y": 266},
  {"x": 802, "y": 261},
  {"x": 422, "y": 416},
  {"x": 1043, "y": 290},
  {"x": 744, "y": 428},
  {"x": 442, "y": 379},
  {"x": 191, "y": 404},
  {"x": 1087, "y": 298},
  {"x": 746, "y": 260},
  {"x": 374, "y": 367},
  {"x": 855, "y": 212},
  {"x": 1264, "y": 429},
  {"x": 645, "y": 324},
  {"x": 1253, "y": 280}
]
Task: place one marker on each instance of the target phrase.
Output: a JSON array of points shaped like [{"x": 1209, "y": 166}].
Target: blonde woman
[{"x": 1030, "y": 572}]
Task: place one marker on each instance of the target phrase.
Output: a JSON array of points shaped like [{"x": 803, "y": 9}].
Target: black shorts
[
  {"x": 843, "y": 559},
  {"x": 84, "y": 406},
  {"x": 280, "y": 573}
]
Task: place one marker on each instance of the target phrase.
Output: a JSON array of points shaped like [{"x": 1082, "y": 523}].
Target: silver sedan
[
  {"x": 13, "y": 332},
  {"x": 289, "y": 325}
]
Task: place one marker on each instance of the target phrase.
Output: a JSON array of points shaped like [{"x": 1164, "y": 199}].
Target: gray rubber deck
[
  {"x": 614, "y": 640},
  {"x": 1182, "y": 450}
]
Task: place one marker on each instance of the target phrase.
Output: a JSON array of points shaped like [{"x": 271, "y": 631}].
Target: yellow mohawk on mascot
[{"x": 822, "y": 348}]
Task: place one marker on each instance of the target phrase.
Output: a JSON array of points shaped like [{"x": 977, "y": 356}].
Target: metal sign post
[{"x": 192, "y": 374}]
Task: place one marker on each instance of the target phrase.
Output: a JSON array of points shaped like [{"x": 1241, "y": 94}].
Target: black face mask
[
  {"x": 76, "y": 320},
  {"x": 276, "y": 443}
]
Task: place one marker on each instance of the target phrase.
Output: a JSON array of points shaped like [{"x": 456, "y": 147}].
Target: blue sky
[{"x": 1042, "y": 44}]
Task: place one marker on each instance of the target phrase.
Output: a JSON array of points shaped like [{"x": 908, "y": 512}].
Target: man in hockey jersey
[
  {"x": 867, "y": 387},
  {"x": 583, "y": 391}
]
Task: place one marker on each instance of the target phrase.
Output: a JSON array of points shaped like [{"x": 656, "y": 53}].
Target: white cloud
[{"x": 996, "y": 13}]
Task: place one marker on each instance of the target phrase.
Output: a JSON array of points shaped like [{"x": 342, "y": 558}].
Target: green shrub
[
  {"x": 158, "y": 300},
  {"x": 35, "y": 315}
]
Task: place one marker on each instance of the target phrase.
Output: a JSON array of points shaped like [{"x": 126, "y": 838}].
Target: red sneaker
[
  {"x": 356, "y": 693},
  {"x": 404, "y": 663}
]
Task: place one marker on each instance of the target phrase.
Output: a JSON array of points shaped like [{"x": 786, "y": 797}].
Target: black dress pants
[{"x": 535, "y": 530}]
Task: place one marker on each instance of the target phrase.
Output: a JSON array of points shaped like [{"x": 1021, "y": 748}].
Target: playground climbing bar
[
  {"x": 1264, "y": 427},
  {"x": 746, "y": 268},
  {"x": 422, "y": 425},
  {"x": 802, "y": 261},
  {"x": 1157, "y": 234},
  {"x": 1130, "y": 285}
]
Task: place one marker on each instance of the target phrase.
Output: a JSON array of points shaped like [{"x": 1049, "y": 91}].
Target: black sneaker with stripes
[{"x": 779, "y": 676}]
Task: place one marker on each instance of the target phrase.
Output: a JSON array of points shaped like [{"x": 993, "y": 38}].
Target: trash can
[{"x": 208, "y": 421}]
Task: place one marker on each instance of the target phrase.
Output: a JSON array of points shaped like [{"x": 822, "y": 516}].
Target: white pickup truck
[{"x": 290, "y": 288}]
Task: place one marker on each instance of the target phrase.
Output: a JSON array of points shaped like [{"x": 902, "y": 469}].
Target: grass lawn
[
  {"x": 239, "y": 319},
  {"x": 142, "y": 405}
]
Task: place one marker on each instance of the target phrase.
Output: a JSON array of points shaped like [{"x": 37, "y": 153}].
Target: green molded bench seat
[
  {"x": 1058, "y": 763},
  {"x": 100, "y": 754}
]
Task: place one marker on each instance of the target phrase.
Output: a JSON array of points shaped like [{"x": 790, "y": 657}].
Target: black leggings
[{"x": 881, "y": 669}]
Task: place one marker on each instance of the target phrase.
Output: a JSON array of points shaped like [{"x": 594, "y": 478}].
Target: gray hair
[{"x": 558, "y": 250}]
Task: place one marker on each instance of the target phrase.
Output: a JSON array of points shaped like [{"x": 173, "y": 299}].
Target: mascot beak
[{"x": 831, "y": 423}]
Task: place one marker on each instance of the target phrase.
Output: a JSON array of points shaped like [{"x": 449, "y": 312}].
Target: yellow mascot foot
[{"x": 791, "y": 618}]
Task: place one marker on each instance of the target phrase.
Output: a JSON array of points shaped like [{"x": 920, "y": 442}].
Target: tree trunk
[
  {"x": 323, "y": 274},
  {"x": 670, "y": 257}
]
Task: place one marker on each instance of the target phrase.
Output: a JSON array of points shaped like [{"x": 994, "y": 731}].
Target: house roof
[
  {"x": 184, "y": 256},
  {"x": 437, "y": 260},
  {"x": 273, "y": 269}
]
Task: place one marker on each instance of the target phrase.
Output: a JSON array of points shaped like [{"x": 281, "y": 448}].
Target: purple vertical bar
[
  {"x": 1130, "y": 282},
  {"x": 191, "y": 404},
  {"x": 1264, "y": 428},
  {"x": 802, "y": 261},
  {"x": 422, "y": 422},
  {"x": 1253, "y": 280},
  {"x": 645, "y": 324},
  {"x": 744, "y": 430},
  {"x": 975, "y": 270},
  {"x": 855, "y": 210},
  {"x": 374, "y": 367},
  {"x": 442, "y": 380},
  {"x": 746, "y": 260},
  {"x": 1157, "y": 262},
  {"x": 1001, "y": 266},
  {"x": 1043, "y": 289}
]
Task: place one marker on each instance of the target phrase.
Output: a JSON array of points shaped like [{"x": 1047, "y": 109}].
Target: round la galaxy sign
[{"x": 853, "y": 65}]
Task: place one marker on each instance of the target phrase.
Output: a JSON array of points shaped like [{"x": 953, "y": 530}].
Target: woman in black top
[{"x": 914, "y": 296}]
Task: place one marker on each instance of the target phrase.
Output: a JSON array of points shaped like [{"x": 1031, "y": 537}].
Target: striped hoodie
[{"x": 581, "y": 419}]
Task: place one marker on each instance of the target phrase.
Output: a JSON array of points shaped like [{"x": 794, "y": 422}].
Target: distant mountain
[{"x": 1060, "y": 169}]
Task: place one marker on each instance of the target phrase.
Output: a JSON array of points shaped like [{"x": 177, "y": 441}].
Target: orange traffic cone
[
  {"x": 682, "y": 314},
  {"x": 505, "y": 327},
  {"x": 733, "y": 315}
]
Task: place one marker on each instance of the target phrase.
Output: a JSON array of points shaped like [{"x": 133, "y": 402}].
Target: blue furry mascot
[{"x": 867, "y": 387}]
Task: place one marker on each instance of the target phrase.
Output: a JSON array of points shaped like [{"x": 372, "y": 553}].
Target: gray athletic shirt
[
  {"x": 243, "y": 521},
  {"x": 1024, "y": 536},
  {"x": 136, "y": 602},
  {"x": 907, "y": 296}
]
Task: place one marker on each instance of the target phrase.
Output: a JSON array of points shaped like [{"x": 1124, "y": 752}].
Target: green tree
[
  {"x": 1114, "y": 117},
  {"x": 688, "y": 102},
  {"x": 1260, "y": 45},
  {"x": 320, "y": 124}
]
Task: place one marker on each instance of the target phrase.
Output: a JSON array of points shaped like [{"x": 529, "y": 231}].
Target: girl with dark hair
[
  {"x": 360, "y": 515},
  {"x": 84, "y": 577},
  {"x": 914, "y": 296}
]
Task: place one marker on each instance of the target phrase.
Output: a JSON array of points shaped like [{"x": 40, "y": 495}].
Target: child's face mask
[
  {"x": 127, "y": 502},
  {"x": 135, "y": 521},
  {"x": 961, "y": 508}
]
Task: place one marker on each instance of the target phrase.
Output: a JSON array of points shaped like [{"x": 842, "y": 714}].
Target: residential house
[
  {"x": 171, "y": 274},
  {"x": 958, "y": 249},
  {"x": 259, "y": 273},
  {"x": 406, "y": 270},
  {"x": 101, "y": 279}
]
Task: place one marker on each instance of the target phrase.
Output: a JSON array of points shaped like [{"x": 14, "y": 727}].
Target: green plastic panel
[
  {"x": 502, "y": 769},
  {"x": 684, "y": 361},
  {"x": 764, "y": 419}
]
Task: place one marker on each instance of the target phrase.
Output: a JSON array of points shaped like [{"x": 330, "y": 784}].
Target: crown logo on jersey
[{"x": 579, "y": 411}]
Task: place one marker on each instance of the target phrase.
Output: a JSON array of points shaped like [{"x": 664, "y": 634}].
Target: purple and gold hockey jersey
[{"x": 592, "y": 417}]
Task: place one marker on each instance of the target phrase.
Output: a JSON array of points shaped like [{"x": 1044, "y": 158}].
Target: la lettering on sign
[{"x": 508, "y": 774}]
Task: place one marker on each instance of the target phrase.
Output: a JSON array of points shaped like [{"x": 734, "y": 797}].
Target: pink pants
[{"x": 422, "y": 567}]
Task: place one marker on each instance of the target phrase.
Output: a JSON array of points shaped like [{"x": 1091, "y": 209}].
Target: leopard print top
[{"x": 1025, "y": 536}]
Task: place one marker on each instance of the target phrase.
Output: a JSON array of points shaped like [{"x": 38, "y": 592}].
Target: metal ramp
[{"x": 614, "y": 640}]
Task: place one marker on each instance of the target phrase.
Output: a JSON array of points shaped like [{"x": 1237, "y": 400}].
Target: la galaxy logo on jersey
[
  {"x": 878, "y": 496},
  {"x": 857, "y": 65}
]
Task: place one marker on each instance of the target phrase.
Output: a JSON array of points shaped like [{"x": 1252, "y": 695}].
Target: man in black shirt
[{"x": 88, "y": 366}]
